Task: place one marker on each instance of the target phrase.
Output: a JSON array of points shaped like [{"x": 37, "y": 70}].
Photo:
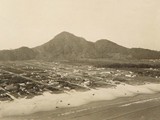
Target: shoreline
[
  {"x": 62, "y": 113},
  {"x": 52, "y": 102}
]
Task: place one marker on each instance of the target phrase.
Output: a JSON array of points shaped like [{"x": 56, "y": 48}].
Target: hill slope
[
  {"x": 23, "y": 53},
  {"x": 66, "y": 46}
]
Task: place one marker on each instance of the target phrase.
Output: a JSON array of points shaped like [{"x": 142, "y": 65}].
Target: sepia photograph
[{"x": 79, "y": 60}]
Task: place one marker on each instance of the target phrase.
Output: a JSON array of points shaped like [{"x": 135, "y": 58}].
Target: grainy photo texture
[{"x": 79, "y": 60}]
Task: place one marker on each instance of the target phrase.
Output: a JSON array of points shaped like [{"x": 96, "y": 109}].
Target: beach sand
[{"x": 60, "y": 103}]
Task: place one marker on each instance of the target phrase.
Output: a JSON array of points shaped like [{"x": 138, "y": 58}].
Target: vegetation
[{"x": 66, "y": 46}]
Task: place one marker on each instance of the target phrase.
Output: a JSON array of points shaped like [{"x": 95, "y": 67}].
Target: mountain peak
[
  {"x": 67, "y": 46},
  {"x": 65, "y": 33}
]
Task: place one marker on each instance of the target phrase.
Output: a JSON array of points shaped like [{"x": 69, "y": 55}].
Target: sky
[{"x": 130, "y": 23}]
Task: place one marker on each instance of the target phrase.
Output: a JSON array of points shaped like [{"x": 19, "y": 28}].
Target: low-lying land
[{"x": 26, "y": 79}]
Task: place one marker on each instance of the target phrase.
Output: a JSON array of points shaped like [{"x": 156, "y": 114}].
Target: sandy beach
[
  {"x": 58, "y": 104},
  {"x": 138, "y": 107}
]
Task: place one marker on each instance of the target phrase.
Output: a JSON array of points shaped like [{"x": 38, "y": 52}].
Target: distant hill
[
  {"x": 140, "y": 53},
  {"x": 66, "y": 46},
  {"x": 23, "y": 53},
  {"x": 108, "y": 49}
]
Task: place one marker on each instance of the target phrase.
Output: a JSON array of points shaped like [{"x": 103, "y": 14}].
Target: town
[{"x": 26, "y": 79}]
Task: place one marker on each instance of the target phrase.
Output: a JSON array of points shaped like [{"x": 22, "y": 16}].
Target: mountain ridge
[{"x": 67, "y": 46}]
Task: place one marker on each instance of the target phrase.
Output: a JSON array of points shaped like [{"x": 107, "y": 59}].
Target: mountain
[
  {"x": 108, "y": 49},
  {"x": 23, "y": 53},
  {"x": 67, "y": 46},
  {"x": 140, "y": 53}
]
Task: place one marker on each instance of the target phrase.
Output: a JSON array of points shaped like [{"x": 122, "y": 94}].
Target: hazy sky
[{"x": 131, "y": 23}]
